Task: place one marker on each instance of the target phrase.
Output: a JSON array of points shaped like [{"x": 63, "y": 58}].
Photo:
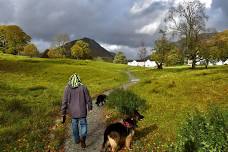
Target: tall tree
[
  {"x": 80, "y": 50},
  {"x": 2, "y": 39},
  {"x": 59, "y": 42},
  {"x": 188, "y": 21},
  {"x": 174, "y": 57},
  {"x": 209, "y": 52},
  {"x": 162, "y": 48},
  {"x": 120, "y": 58},
  {"x": 142, "y": 52},
  {"x": 13, "y": 39}
]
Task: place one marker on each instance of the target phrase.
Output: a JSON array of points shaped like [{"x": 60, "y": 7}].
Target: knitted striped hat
[{"x": 74, "y": 81}]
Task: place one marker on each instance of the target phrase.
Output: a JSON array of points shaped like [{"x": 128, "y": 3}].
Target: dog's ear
[{"x": 137, "y": 115}]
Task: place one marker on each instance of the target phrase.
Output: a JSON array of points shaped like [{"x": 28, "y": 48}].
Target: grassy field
[
  {"x": 31, "y": 91},
  {"x": 30, "y": 97},
  {"x": 171, "y": 94}
]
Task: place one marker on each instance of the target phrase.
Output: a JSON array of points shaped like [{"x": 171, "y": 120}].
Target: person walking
[{"x": 77, "y": 102}]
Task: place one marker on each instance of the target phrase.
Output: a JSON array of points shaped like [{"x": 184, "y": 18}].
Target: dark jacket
[{"x": 76, "y": 101}]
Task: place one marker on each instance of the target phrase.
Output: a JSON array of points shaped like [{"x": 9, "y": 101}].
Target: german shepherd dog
[
  {"x": 120, "y": 134},
  {"x": 101, "y": 99}
]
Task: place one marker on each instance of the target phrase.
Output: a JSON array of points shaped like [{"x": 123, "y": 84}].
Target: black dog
[
  {"x": 101, "y": 99},
  {"x": 120, "y": 134}
]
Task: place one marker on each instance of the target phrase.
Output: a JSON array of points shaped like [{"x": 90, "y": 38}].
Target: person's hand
[{"x": 64, "y": 119}]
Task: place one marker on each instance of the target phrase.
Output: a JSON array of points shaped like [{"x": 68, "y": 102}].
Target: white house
[
  {"x": 151, "y": 64},
  {"x": 148, "y": 63},
  {"x": 141, "y": 63},
  {"x": 190, "y": 62},
  {"x": 202, "y": 62},
  {"x": 219, "y": 63},
  {"x": 133, "y": 63}
]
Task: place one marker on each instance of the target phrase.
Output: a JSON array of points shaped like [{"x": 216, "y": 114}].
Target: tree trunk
[
  {"x": 206, "y": 63},
  {"x": 160, "y": 66},
  {"x": 193, "y": 63}
]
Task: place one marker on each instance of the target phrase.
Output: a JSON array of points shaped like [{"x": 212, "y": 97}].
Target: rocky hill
[{"x": 96, "y": 49}]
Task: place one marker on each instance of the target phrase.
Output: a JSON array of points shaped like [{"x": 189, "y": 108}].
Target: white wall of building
[
  {"x": 210, "y": 64},
  {"x": 151, "y": 64},
  {"x": 148, "y": 63}
]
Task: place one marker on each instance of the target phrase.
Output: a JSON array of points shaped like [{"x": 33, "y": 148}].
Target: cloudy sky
[{"x": 115, "y": 24}]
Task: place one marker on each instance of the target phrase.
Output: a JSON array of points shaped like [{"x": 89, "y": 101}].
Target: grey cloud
[
  {"x": 106, "y": 21},
  {"x": 218, "y": 14},
  {"x": 6, "y": 11}
]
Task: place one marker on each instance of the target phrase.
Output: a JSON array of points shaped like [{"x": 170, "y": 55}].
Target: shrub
[
  {"x": 120, "y": 58},
  {"x": 172, "y": 84},
  {"x": 55, "y": 53},
  {"x": 125, "y": 101},
  {"x": 147, "y": 81},
  {"x": 30, "y": 50},
  {"x": 203, "y": 132}
]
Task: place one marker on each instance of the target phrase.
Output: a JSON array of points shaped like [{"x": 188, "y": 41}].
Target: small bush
[
  {"x": 155, "y": 90},
  {"x": 125, "y": 101},
  {"x": 147, "y": 81},
  {"x": 172, "y": 84},
  {"x": 203, "y": 132},
  {"x": 3, "y": 118}
]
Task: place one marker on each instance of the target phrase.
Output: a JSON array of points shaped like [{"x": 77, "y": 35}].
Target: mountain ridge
[{"x": 96, "y": 50}]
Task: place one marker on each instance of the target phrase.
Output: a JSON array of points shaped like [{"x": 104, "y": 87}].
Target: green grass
[
  {"x": 30, "y": 96},
  {"x": 171, "y": 94}
]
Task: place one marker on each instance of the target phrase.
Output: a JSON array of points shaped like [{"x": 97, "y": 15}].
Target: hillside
[
  {"x": 181, "y": 42},
  {"x": 96, "y": 49}
]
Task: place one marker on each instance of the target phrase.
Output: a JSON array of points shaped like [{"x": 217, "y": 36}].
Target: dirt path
[{"x": 96, "y": 126}]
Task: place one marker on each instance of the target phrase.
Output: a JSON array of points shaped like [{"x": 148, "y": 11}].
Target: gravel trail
[{"x": 96, "y": 126}]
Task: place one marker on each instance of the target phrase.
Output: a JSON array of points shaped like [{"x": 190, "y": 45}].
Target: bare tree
[
  {"x": 188, "y": 21},
  {"x": 142, "y": 51},
  {"x": 59, "y": 41}
]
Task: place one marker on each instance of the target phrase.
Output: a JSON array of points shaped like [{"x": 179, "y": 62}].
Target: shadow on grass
[
  {"x": 37, "y": 87},
  {"x": 145, "y": 131},
  {"x": 198, "y": 68},
  {"x": 206, "y": 73},
  {"x": 23, "y": 67},
  {"x": 31, "y": 61}
]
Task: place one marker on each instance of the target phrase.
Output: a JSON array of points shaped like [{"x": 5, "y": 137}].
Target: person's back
[{"x": 77, "y": 100}]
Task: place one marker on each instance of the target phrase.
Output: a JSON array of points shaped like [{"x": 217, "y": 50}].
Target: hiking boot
[
  {"x": 77, "y": 142},
  {"x": 83, "y": 144}
]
